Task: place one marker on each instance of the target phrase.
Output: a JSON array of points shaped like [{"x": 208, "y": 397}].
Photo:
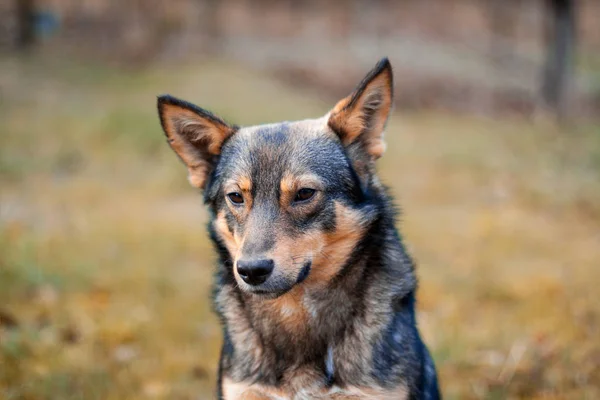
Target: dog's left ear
[
  {"x": 195, "y": 135},
  {"x": 359, "y": 119}
]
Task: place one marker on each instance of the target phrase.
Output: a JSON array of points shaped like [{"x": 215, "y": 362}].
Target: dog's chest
[
  {"x": 289, "y": 315},
  {"x": 303, "y": 348},
  {"x": 299, "y": 319}
]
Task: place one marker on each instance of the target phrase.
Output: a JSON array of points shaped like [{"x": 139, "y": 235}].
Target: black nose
[{"x": 255, "y": 272}]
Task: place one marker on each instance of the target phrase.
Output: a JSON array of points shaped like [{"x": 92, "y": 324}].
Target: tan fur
[
  {"x": 336, "y": 247},
  {"x": 300, "y": 389},
  {"x": 231, "y": 240},
  {"x": 247, "y": 391},
  {"x": 353, "y": 392},
  {"x": 288, "y": 311},
  {"x": 326, "y": 251},
  {"x": 288, "y": 189},
  {"x": 290, "y": 185},
  {"x": 184, "y": 128},
  {"x": 242, "y": 185},
  {"x": 296, "y": 384},
  {"x": 245, "y": 184}
]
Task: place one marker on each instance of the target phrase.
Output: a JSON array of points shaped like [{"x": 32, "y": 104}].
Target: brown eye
[
  {"x": 235, "y": 198},
  {"x": 304, "y": 194}
]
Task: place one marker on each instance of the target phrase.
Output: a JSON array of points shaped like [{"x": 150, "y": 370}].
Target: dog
[{"x": 314, "y": 288}]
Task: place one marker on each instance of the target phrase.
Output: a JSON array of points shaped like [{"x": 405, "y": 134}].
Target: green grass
[{"x": 105, "y": 265}]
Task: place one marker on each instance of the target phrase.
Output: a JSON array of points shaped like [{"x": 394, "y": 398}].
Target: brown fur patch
[
  {"x": 288, "y": 188},
  {"x": 288, "y": 311},
  {"x": 354, "y": 392},
  {"x": 245, "y": 184},
  {"x": 290, "y": 185},
  {"x": 247, "y": 391},
  {"x": 231, "y": 240},
  {"x": 302, "y": 384},
  {"x": 337, "y": 246}
]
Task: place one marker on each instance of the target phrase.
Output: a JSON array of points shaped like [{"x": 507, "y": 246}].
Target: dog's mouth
[
  {"x": 274, "y": 287},
  {"x": 266, "y": 294}
]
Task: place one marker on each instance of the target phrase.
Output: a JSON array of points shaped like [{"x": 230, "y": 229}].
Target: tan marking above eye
[
  {"x": 287, "y": 184},
  {"x": 245, "y": 184},
  {"x": 242, "y": 186},
  {"x": 290, "y": 185}
]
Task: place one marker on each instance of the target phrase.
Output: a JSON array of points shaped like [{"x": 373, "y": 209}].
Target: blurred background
[{"x": 493, "y": 155}]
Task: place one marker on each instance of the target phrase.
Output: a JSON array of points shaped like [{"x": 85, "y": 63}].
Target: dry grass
[{"x": 105, "y": 265}]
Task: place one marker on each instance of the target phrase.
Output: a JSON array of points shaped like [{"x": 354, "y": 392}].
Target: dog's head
[{"x": 290, "y": 200}]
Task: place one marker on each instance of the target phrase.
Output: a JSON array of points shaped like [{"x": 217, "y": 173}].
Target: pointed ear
[
  {"x": 361, "y": 117},
  {"x": 194, "y": 134}
]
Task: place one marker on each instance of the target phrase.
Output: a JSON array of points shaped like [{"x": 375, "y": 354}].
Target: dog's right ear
[{"x": 194, "y": 134}]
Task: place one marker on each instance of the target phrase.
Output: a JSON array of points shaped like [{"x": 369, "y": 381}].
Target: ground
[{"x": 105, "y": 264}]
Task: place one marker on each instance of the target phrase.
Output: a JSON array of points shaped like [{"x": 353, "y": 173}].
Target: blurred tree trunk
[
  {"x": 212, "y": 19},
  {"x": 503, "y": 20},
  {"x": 560, "y": 42},
  {"x": 503, "y": 26},
  {"x": 26, "y": 24}
]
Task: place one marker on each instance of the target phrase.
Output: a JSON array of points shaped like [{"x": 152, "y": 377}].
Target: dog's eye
[
  {"x": 235, "y": 198},
  {"x": 304, "y": 194}
]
